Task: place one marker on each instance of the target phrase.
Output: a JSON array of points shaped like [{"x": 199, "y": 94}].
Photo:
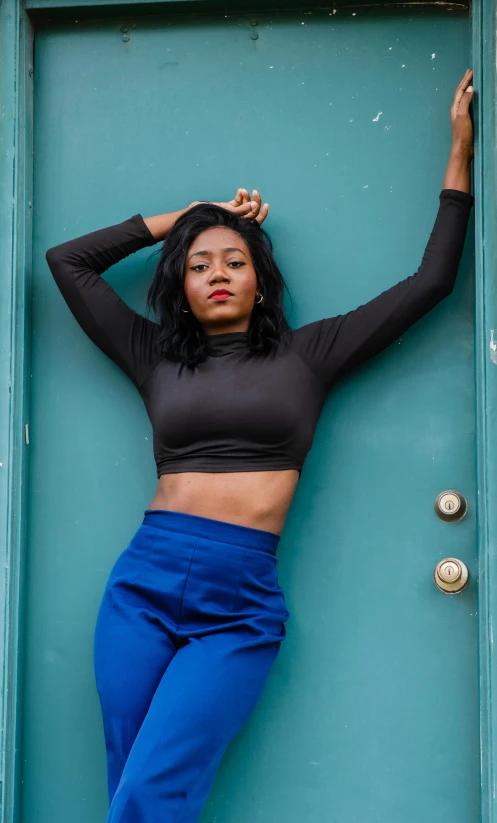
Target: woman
[{"x": 192, "y": 616}]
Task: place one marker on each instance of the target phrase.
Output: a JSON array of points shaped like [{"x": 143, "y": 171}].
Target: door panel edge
[{"x": 484, "y": 57}]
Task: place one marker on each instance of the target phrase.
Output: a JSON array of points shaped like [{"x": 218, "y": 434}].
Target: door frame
[{"x": 18, "y": 20}]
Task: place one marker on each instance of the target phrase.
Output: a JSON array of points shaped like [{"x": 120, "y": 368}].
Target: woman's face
[{"x": 219, "y": 260}]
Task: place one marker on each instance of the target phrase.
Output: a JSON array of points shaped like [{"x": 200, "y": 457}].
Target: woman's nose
[{"x": 218, "y": 274}]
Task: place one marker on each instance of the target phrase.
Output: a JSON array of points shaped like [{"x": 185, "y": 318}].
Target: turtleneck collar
[{"x": 226, "y": 343}]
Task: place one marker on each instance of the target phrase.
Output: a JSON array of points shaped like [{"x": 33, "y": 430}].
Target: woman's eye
[{"x": 200, "y": 267}]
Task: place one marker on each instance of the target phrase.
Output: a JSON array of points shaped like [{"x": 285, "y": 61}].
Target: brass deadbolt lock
[
  {"x": 451, "y": 505},
  {"x": 451, "y": 575}
]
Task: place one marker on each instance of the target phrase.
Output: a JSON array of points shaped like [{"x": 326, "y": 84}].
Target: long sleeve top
[{"x": 234, "y": 412}]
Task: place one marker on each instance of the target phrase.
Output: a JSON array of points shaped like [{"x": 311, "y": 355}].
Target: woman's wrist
[
  {"x": 458, "y": 172},
  {"x": 462, "y": 151},
  {"x": 160, "y": 224}
]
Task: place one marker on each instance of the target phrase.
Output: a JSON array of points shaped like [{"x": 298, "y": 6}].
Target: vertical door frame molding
[
  {"x": 483, "y": 25},
  {"x": 17, "y": 23},
  {"x": 16, "y": 185}
]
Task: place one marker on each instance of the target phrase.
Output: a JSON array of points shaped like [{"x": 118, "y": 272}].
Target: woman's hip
[{"x": 201, "y": 575}]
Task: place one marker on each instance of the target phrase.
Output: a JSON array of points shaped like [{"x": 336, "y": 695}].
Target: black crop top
[{"x": 235, "y": 412}]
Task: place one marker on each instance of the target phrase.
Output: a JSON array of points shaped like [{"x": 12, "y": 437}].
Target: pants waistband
[{"x": 211, "y": 529}]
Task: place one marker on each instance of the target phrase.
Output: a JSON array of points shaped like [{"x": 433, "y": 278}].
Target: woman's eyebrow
[
  {"x": 235, "y": 249},
  {"x": 227, "y": 250}
]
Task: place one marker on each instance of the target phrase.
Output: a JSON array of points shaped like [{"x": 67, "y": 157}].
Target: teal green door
[{"x": 342, "y": 121}]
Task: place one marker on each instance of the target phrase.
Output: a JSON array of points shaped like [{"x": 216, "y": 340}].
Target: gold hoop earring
[
  {"x": 259, "y": 301},
  {"x": 185, "y": 310}
]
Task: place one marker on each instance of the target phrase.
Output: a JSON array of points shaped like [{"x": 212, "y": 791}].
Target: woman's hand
[
  {"x": 462, "y": 127},
  {"x": 255, "y": 208},
  {"x": 458, "y": 172},
  {"x": 160, "y": 224},
  {"x": 244, "y": 205}
]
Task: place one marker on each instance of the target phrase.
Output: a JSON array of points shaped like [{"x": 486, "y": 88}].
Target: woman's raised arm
[
  {"x": 122, "y": 334},
  {"x": 128, "y": 338},
  {"x": 333, "y": 346}
]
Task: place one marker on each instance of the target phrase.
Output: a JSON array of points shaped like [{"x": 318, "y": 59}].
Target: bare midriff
[{"x": 259, "y": 500}]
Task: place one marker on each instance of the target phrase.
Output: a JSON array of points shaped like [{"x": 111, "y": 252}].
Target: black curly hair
[{"x": 182, "y": 337}]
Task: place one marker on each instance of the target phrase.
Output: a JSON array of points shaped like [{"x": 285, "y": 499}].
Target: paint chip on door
[{"x": 493, "y": 347}]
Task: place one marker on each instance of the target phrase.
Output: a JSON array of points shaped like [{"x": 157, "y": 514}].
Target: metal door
[{"x": 341, "y": 119}]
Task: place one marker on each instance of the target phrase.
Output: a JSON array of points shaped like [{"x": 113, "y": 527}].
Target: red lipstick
[{"x": 220, "y": 294}]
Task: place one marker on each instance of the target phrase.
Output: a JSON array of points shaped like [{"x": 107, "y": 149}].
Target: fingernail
[
  {"x": 470, "y": 89},
  {"x": 253, "y": 204}
]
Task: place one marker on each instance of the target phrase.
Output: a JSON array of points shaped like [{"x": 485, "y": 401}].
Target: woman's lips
[{"x": 223, "y": 296}]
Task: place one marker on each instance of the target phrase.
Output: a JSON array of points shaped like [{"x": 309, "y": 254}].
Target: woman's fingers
[
  {"x": 263, "y": 213},
  {"x": 258, "y": 212},
  {"x": 461, "y": 91},
  {"x": 464, "y": 83},
  {"x": 257, "y": 199},
  {"x": 466, "y": 98},
  {"x": 238, "y": 199},
  {"x": 255, "y": 203},
  {"x": 245, "y": 196},
  {"x": 242, "y": 209},
  {"x": 248, "y": 206},
  {"x": 245, "y": 209}
]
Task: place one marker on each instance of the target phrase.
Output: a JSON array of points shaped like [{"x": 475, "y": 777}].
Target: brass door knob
[
  {"x": 451, "y": 575},
  {"x": 451, "y": 505}
]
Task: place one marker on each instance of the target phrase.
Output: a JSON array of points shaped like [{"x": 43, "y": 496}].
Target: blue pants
[{"x": 190, "y": 623}]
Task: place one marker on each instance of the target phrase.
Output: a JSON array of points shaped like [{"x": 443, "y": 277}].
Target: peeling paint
[
  {"x": 493, "y": 347},
  {"x": 375, "y": 119}
]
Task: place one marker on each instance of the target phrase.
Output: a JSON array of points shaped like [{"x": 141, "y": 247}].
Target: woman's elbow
[
  {"x": 55, "y": 259},
  {"x": 443, "y": 286},
  {"x": 51, "y": 255},
  {"x": 445, "y": 289}
]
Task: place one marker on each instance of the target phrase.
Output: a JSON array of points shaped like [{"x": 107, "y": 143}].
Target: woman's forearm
[
  {"x": 458, "y": 172},
  {"x": 160, "y": 224}
]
